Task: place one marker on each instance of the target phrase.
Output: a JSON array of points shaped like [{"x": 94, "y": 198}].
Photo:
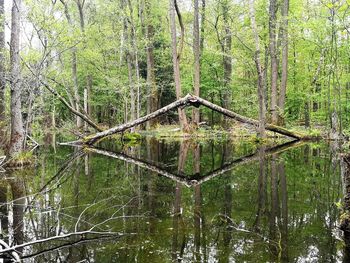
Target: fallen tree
[
  {"x": 74, "y": 111},
  {"x": 188, "y": 100}
]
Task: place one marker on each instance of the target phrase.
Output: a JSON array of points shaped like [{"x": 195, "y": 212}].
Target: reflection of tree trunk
[
  {"x": 345, "y": 218},
  {"x": 274, "y": 208},
  {"x": 153, "y": 155},
  {"x": 177, "y": 204},
  {"x": 197, "y": 221},
  {"x": 18, "y": 210},
  {"x": 182, "y": 156},
  {"x": 284, "y": 214},
  {"x": 197, "y": 204},
  {"x": 227, "y": 234},
  {"x": 3, "y": 213},
  {"x": 177, "y": 210},
  {"x": 261, "y": 188}
]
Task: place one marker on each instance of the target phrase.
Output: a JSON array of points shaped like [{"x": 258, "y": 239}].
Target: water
[{"x": 176, "y": 201}]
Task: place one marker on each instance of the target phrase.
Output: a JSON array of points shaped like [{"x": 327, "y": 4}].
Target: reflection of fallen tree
[
  {"x": 11, "y": 249},
  {"x": 195, "y": 179},
  {"x": 78, "y": 242}
]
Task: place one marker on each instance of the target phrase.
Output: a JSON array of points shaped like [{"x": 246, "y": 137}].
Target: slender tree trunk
[
  {"x": 2, "y": 68},
  {"x": 196, "y": 52},
  {"x": 202, "y": 28},
  {"x": 274, "y": 64},
  {"x": 17, "y": 131},
  {"x": 261, "y": 95},
  {"x": 152, "y": 99},
  {"x": 227, "y": 60},
  {"x": 135, "y": 59},
  {"x": 284, "y": 76},
  {"x": 176, "y": 62},
  {"x": 129, "y": 61},
  {"x": 80, "y": 5},
  {"x": 79, "y": 121}
]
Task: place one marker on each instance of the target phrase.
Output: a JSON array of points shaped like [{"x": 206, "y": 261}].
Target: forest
[{"x": 174, "y": 131}]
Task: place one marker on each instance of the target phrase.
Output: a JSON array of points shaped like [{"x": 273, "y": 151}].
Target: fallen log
[
  {"x": 91, "y": 139},
  {"x": 274, "y": 128},
  {"x": 188, "y": 100},
  {"x": 74, "y": 111}
]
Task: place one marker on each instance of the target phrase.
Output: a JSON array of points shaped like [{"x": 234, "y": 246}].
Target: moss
[
  {"x": 22, "y": 159},
  {"x": 131, "y": 138}
]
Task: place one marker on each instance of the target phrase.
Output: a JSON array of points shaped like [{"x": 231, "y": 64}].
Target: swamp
[
  {"x": 165, "y": 201},
  {"x": 159, "y": 131}
]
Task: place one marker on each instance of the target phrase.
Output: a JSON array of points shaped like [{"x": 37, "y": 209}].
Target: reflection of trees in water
[
  {"x": 189, "y": 235},
  {"x": 345, "y": 216}
]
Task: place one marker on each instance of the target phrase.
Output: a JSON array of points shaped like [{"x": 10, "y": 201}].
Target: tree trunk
[
  {"x": 74, "y": 67},
  {"x": 196, "y": 52},
  {"x": 227, "y": 60},
  {"x": 261, "y": 95},
  {"x": 135, "y": 59},
  {"x": 2, "y": 68},
  {"x": 129, "y": 59},
  {"x": 274, "y": 64},
  {"x": 176, "y": 60},
  {"x": 17, "y": 131},
  {"x": 152, "y": 99},
  {"x": 284, "y": 77},
  {"x": 202, "y": 28}
]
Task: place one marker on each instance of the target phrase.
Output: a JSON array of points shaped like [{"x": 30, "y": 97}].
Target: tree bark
[
  {"x": 196, "y": 53},
  {"x": 2, "y": 68},
  {"x": 176, "y": 59},
  {"x": 284, "y": 75},
  {"x": 274, "y": 64},
  {"x": 17, "y": 131},
  {"x": 261, "y": 95}
]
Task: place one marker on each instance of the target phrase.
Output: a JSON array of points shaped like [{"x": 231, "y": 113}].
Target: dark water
[{"x": 176, "y": 202}]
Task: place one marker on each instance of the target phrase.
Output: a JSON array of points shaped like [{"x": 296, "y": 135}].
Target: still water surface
[{"x": 176, "y": 201}]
